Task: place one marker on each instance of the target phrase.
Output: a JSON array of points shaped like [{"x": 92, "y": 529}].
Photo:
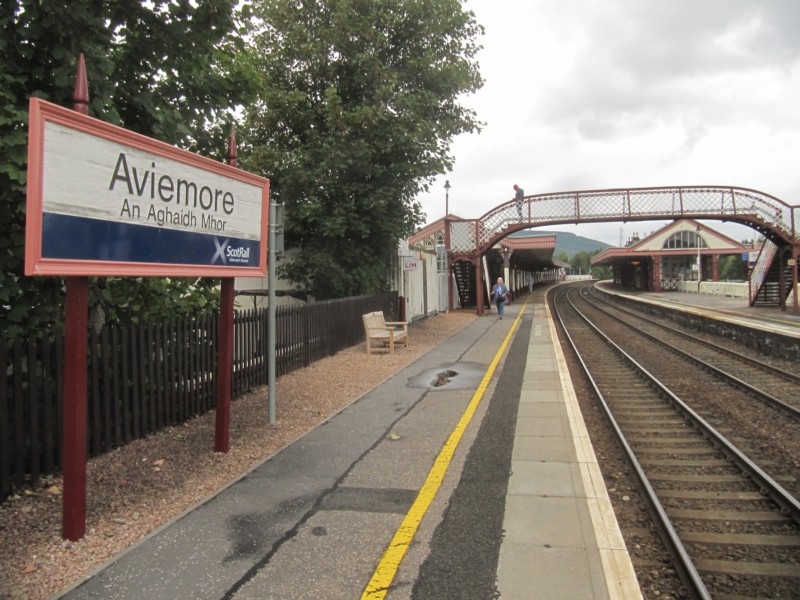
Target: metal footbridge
[{"x": 775, "y": 274}]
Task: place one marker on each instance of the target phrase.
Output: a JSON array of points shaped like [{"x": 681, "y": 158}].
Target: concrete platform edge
[{"x": 620, "y": 575}]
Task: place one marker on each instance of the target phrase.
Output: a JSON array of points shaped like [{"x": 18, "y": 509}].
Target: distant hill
[{"x": 569, "y": 243}]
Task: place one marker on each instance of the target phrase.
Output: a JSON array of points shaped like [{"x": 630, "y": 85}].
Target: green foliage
[
  {"x": 564, "y": 257},
  {"x": 583, "y": 261},
  {"x": 132, "y": 299},
  {"x": 732, "y": 268},
  {"x": 602, "y": 273},
  {"x": 164, "y": 69},
  {"x": 357, "y": 108}
]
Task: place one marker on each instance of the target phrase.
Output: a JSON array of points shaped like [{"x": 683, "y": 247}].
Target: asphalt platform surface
[{"x": 314, "y": 520}]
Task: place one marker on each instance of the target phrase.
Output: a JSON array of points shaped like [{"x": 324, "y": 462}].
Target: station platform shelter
[
  {"x": 684, "y": 250},
  {"x": 523, "y": 259}
]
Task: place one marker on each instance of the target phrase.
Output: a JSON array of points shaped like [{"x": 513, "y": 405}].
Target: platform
[
  {"x": 562, "y": 537},
  {"x": 732, "y": 310},
  {"x": 519, "y": 504}
]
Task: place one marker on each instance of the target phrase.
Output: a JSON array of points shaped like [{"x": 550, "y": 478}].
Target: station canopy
[{"x": 530, "y": 251}]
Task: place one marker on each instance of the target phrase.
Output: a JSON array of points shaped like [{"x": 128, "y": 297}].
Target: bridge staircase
[
  {"x": 464, "y": 273},
  {"x": 765, "y": 286}
]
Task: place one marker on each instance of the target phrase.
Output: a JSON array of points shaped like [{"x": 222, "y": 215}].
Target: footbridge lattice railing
[{"x": 765, "y": 213}]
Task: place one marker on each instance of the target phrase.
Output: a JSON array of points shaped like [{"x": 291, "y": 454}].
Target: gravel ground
[{"x": 140, "y": 487}]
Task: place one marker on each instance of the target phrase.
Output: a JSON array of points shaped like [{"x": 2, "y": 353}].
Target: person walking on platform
[
  {"x": 519, "y": 194},
  {"x": 500, "y": 293}
]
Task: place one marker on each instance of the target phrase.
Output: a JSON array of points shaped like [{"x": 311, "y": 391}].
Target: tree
[
  {"x": 582, "y": 260},
  {"x": 732, "y": 268},
  {"x": 164, "y": 69},
  {"x": 357, "y": 109}
]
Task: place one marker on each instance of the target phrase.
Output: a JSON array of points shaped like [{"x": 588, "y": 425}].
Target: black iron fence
[{"x": 144, "y": 377}]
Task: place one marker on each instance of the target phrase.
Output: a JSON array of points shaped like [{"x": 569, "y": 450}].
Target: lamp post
[
  {"x": 506, "y": 253},
  {"x": 699, "y": 267},
  {"x": 447, "y": 243}
]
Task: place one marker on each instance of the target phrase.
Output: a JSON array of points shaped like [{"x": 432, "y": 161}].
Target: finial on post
[{"x": 80, "y": 97}]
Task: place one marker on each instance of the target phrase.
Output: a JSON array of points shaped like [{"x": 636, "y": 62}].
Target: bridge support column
[
  {"x": 478, "y": 284},
  {"x": 448, "y": 252},
  {"x": 782, "y": 280},
  {"x": 795, "y": 257},
  {"x": 656, "y": 281}
]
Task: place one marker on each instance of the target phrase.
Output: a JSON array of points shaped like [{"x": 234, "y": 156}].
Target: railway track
[
  {"x": 772, "y": 385},
  {"x": 731, "y": 525},
  {"x": 769, "y": 433}
]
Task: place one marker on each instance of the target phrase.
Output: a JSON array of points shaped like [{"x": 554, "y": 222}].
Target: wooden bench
[{"x": 379, "y": 331}]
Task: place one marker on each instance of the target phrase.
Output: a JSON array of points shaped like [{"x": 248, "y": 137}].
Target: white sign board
[
  {"x": 108, "y": 181},
  {"x": 410, "y": 263},
  {"x": 105, "y": 201}
]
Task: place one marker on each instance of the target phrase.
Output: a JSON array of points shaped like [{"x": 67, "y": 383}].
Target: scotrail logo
[
  {"x": 221, "y": 252},
  {"x": 230, "y": 254}
]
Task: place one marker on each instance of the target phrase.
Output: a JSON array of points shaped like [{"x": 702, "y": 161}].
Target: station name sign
[{"x": 106, "y": 201}]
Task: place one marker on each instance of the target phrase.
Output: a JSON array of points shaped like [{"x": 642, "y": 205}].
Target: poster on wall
[
  {"x": 410, "y": 263},
  {"x": 106, "y": 201}
]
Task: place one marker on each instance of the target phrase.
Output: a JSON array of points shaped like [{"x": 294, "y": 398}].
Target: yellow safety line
[{"x": 384, "y": 574}]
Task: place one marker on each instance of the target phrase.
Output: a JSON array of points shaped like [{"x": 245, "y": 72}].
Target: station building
[{"x": 684, "y": 250}]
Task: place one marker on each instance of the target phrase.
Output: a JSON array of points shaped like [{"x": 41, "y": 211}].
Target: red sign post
[{"x": 105, "y": 201}]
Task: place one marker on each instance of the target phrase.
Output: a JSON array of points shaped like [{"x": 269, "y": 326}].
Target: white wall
[
  {"x": 715, "y": 288},
  {"x": 419, "y": 287}
]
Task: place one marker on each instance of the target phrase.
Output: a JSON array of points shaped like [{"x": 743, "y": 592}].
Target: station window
[
  {"x": 441, "y": 258},
  {"x": 684, "y": 239}
]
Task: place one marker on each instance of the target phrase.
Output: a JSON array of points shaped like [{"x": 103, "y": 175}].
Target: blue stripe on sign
[{"x": 78, "y": 238}]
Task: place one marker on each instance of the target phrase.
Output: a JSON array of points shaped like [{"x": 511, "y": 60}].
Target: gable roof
[
  {"x": 714, "y": 239},
  {"x": 653, "y": 244}
]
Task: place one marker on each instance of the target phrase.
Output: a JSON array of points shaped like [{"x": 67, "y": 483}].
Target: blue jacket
[{"x": 498, "y": 291}]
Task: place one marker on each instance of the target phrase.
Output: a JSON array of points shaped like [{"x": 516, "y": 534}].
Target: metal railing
[
  {"x": 144, "y": 377},
  {"x": 766, "y": 213}
]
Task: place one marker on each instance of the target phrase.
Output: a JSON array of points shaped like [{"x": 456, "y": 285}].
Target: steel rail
[
  {"x": 725, "y": 376},
  {"x": 788, "y": 504},
  {"x": 776, "y": 491},
  {"x": 605, "y": 297},
  {"x": 687, "y": 568}
]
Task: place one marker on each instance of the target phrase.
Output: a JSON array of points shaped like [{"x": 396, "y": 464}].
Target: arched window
[{"x": 684, "y": 239}]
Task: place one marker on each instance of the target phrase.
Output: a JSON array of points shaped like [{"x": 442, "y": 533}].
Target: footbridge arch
[{"x": 775, "y": 219}]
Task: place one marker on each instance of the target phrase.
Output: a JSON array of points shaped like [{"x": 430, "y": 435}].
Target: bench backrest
[{"x": 374, "y": 321}]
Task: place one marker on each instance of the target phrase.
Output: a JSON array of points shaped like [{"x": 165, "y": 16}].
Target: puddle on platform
[{"x": 459, "y": 376}]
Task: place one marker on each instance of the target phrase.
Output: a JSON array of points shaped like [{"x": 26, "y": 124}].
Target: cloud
[
  {"x": 591, "y": 94},
  {"x": 642, "y": 63}
]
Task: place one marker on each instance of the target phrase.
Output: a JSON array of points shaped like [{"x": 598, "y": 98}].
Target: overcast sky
[{"x": 591, "y": 94}]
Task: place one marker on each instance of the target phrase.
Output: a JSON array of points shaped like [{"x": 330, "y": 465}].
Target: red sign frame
[{"x": 42, "y": 113}]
